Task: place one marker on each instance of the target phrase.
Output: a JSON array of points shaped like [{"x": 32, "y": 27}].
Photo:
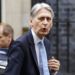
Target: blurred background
[{"x": 62, "y": 35}]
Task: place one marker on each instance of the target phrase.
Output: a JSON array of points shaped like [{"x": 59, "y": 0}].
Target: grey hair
[{"x": 39, "y": 6}]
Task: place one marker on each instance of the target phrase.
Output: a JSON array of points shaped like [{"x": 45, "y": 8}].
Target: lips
[{"x": 44, "y": 29}]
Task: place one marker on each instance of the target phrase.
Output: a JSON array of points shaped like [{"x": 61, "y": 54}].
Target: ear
[
  {"x": 30, "y": 22},
  {"x": 10, "y": 37}
]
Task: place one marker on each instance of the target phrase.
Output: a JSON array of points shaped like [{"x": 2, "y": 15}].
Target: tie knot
[{"x": 40, "y": 43}]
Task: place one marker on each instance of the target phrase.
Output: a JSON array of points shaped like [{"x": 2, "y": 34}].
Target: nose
[{"x": 45, "y": 22}]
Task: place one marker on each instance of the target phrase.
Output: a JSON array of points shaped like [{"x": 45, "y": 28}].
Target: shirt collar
[{"x": 36, "y": 38}]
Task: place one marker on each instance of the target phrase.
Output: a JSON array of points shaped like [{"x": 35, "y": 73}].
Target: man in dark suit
[{"x": 24, "y": 54}]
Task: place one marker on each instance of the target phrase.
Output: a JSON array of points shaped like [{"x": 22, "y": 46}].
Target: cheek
[
  {"x": 50, "y": 25},
  {"x": 36, "y": 26},
  {"x": 2, "y": 42}
]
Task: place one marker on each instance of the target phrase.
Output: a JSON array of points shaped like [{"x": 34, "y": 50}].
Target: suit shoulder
[
  {"x": 47, "y": 40},
  {"x": 23, "y": 38}
]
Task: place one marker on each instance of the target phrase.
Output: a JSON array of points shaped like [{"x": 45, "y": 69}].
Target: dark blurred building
[{"x": 62, "y": 35}]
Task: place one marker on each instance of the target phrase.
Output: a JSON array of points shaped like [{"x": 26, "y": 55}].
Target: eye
[
  {"x": 48, "y": 18},
  {"x": 41, "y": 18}
]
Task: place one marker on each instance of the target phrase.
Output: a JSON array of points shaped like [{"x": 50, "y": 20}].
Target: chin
[{"x": 43, "y": 34}]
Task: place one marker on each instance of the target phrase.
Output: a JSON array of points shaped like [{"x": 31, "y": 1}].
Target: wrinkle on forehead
[{"x": 44, "y": 12}]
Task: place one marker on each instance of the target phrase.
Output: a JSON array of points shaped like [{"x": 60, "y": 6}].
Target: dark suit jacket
[{"x": 22, "y": 56}]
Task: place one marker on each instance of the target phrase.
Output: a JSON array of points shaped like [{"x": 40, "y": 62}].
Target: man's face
[
  {"x": 4, "y": 40},
  {"x": 42, "y": 23}
]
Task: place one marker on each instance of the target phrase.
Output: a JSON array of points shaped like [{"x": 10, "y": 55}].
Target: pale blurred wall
[{"x": 16, "y": 13}]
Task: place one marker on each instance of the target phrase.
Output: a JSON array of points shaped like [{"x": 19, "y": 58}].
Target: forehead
[{"x": 44, "y": 12}]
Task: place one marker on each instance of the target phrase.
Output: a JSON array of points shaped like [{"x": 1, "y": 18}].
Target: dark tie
[{"x": 43, "y": 64}]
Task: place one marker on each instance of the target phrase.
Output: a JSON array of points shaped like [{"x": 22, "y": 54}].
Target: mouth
[{"x": 44, "y": 30}]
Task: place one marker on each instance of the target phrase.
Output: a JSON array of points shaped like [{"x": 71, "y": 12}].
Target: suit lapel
[
  {"x": 32, "y": 49},
  {"x": 33, "y": 54},
  {"x": 47, "y": 46}
]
